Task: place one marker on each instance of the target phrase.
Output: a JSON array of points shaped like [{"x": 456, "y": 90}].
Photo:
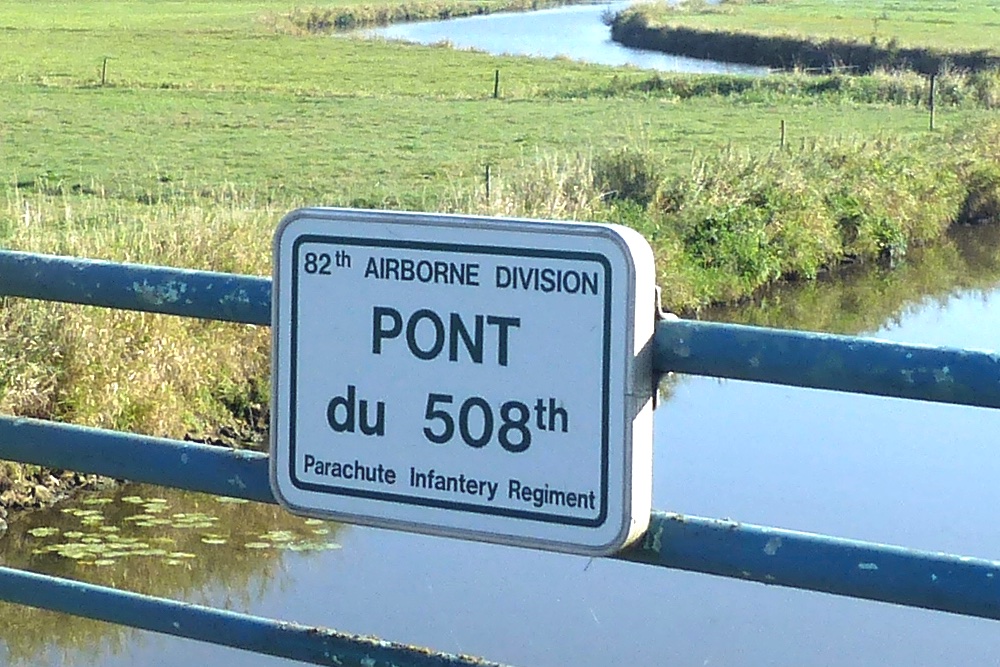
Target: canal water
[
  {"x": 576, "y": 31},
  {"x": 901, "y": 472}
]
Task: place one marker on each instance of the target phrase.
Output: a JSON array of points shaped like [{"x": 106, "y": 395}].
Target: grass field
[
  {"x": 936, "y": 24},
  {"x": 926, "y": 36},
  {"x": 217, "y": 117},
  {"x": 405, "y": 151},
  {"x": 211, "y": 94}
]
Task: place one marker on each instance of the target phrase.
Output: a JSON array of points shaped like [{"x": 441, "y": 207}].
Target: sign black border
[{"x": 466, "y": 249}]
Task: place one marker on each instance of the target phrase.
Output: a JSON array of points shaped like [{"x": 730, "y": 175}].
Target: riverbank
[
  {"x": 739, "y": 221},
  {"x": 793, "y": 34},
  {"x": 325, "y": 20},
  {"x": 31, "y": 487}
]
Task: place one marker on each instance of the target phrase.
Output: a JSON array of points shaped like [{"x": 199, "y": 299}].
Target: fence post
[
  {"x": 496, "y": 85},
  {"x": 104, "y": 71},
  {"x": 932, "y": 96}
]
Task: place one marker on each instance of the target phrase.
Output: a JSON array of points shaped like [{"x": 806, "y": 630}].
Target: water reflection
[
  {"x": 150, "y": 540},
  {"x": 966, "y": 266},
  {"x": 577, "y": 32}
]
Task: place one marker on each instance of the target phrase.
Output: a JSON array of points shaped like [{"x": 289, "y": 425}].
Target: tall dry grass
[
  {"x": 733, "y": 223},
  {"x": 133, "y": 371}
]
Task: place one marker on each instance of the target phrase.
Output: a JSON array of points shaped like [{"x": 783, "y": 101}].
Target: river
[
  {"x": 910, "y": 473},
  {"x": 575, "y": 31}
]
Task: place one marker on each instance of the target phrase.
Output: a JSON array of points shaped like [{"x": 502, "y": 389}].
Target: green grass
[
  {"x": 409, "y": 152},
  {"x": 863, "y": 37},
  {"x": 219, "y": 117},
  {"x": 948, "y": 25}
]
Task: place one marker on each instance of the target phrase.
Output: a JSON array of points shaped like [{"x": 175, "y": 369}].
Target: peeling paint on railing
[{"x": 215, "y": 296}]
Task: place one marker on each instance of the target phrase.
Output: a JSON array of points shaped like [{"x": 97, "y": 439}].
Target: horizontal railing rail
[
  {"x": 944, "y": 582},
  {"x": 795, "y": 358},
  {"x": 320, "y": 646}
]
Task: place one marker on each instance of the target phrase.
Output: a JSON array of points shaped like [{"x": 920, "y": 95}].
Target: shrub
[
  {"x": 627, "y": 173},
  {"x": 982, "y": 201},
  {"x": 986, "y": 85}
]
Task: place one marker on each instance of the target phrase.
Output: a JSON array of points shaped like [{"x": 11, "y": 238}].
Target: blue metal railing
[
  {"x": 871, "y": 571},
  {"x": 795, "y": 358}
]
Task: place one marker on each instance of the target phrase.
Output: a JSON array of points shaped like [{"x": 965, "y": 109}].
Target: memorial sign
[{"x": 472, "y": 377}]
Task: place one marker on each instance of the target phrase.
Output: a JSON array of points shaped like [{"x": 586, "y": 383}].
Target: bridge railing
[{"x": 938, "y": 581}]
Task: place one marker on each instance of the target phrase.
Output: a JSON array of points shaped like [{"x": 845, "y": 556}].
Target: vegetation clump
[
  {"x": 954, "y": 89},
  {"x": 627, "y": 174},
  {"x": 754, "y": 219},
  {"x": 982, "y": 203},
  {"x": 351, "y": 17}
]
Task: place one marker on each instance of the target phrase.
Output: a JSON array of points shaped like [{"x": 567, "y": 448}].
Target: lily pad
[
  {"x": 43, "y": 532},
  {"x": 278, "y": 536},
  {"x": 311, "y": 546},
  {"x": 150, "y": 552}
]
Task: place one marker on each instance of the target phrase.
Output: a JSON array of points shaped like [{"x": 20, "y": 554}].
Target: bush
[
  {"x": 754, "y": 218},
  {"x": 982, "y": 201},
  {"x": 627, "y": 173},
  {"x": 987, "y": 88}
]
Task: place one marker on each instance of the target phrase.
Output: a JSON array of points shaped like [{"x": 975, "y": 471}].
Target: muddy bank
[
  {"x": 34, "y": 488},
  {"x": 30, "y": 487}
]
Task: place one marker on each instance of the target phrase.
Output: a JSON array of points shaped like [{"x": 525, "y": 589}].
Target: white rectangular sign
[{"x": 473, "y": 377}]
